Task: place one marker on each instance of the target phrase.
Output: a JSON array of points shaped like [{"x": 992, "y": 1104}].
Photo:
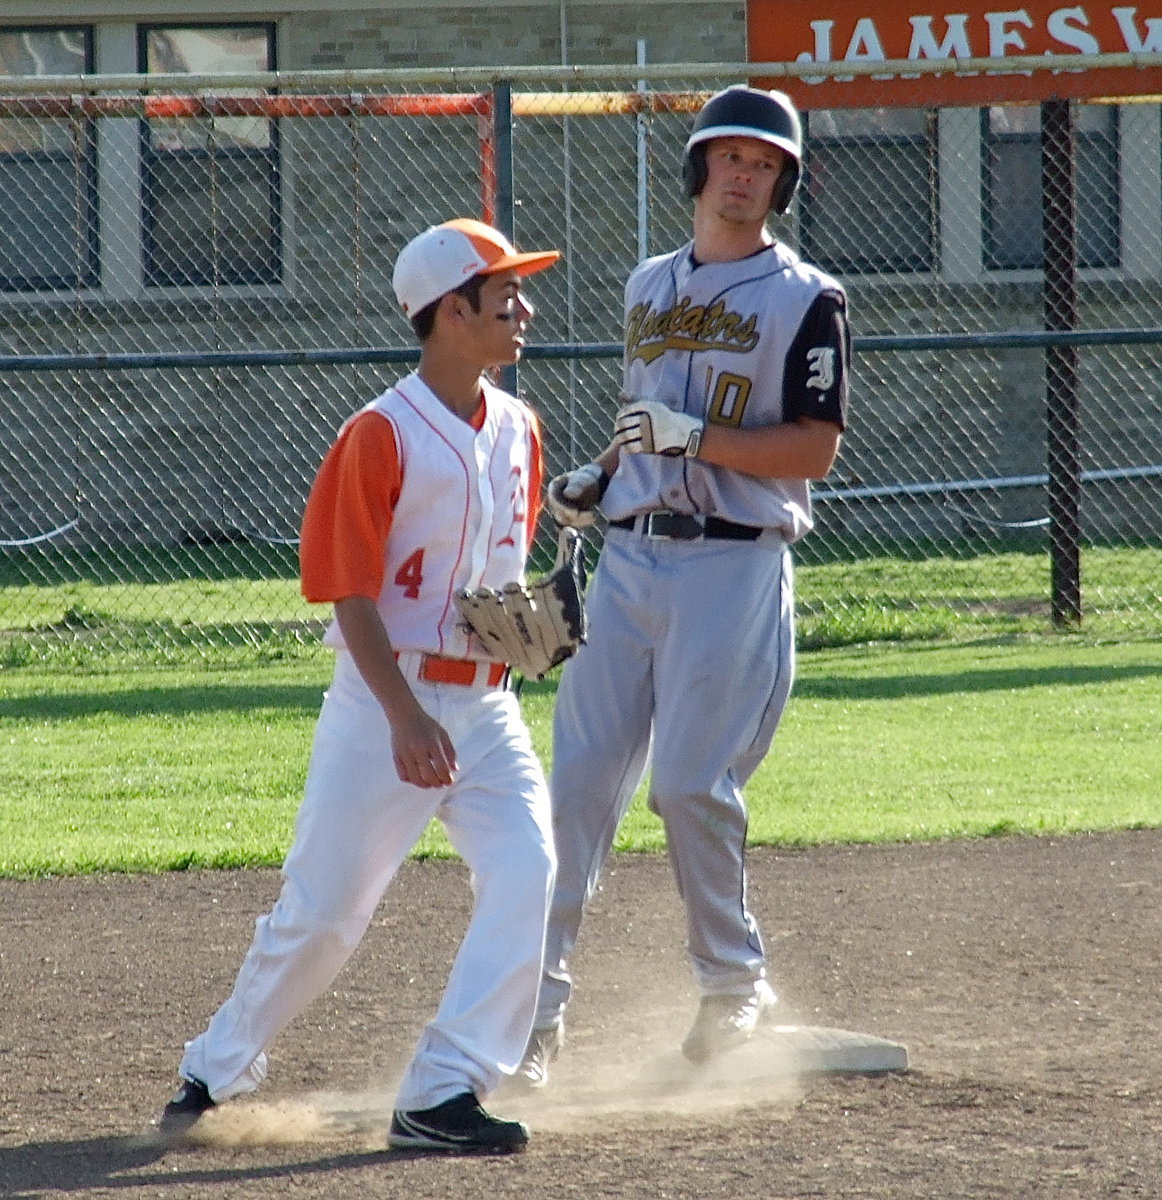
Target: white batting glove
[
  {"x": 572, "y": 498},
  {"x": 647, "y": 427}
]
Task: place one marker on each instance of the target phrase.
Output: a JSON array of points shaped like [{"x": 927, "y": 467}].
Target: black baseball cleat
[
  {"x": 459, "y": 1126},
  {"x": 184, "y": 1111},
  {"x": 543, "y": 1048}
]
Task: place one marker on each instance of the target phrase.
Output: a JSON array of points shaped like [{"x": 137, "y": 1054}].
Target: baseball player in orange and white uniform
[{"x": 433, "y": 487}]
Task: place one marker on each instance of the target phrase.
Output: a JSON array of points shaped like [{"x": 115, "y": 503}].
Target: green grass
[
  {"x": 930, "y": 742},
  {"x": 149, "y": 770},
  {"x": 223, "y": 605},
  {"x": 940, "y": 595}
]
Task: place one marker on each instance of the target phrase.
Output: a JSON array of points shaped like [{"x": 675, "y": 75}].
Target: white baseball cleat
[
  {"x": 544, "y": 1046},
  {"x": 727, "y": 1020}
]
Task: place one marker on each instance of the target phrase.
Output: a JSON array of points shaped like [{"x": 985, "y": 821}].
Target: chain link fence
[{"x": 195, "y": 293}]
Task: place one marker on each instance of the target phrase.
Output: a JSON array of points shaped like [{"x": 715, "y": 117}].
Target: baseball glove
[{"x": 534, "y": 626}]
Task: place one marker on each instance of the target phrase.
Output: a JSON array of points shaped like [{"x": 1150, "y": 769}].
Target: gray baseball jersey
[
  {"x": 690, "y": 656},
  {"x": 752, "y": 342}
]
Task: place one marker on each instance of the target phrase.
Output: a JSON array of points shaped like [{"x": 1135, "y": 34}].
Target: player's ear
[{"x": 450, "y": 307}]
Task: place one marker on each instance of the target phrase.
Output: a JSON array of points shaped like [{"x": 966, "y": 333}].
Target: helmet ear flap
[
  {"x": 785, "y": 186},
  {"x": 694, "y": 171}
]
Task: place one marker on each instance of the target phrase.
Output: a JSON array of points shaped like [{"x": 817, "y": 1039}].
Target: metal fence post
[
  {"x": 505, "y": 203},
  {"x": 1063, "y": 408}
]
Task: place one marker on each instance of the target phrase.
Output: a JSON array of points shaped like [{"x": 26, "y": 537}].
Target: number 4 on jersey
[{"x": 410, "y": 575}]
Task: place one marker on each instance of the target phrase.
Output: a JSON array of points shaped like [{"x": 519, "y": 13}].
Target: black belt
[{"x": 685, "y": 527}]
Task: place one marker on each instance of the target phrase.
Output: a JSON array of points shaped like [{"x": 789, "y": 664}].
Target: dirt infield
[{"x": 1024, "y": 975}]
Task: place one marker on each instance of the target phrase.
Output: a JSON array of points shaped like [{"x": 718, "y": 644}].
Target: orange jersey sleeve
[{"x": 349, "y": 512}]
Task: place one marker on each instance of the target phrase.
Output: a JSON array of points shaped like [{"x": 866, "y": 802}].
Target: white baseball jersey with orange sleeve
[{"x": 465, "y": 519}]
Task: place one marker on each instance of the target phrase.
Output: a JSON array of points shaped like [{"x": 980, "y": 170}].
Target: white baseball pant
[{"x": 356, "y": 826}]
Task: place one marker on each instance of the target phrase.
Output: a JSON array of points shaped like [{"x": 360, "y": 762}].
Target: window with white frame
[
  {"x": 1011, "y": 187},
  {"x": 887, "y": 156},
  {"x": 48, "y": 171},
  {"x": 129, "y": 207},
  {"x": 211, "y": 212}
]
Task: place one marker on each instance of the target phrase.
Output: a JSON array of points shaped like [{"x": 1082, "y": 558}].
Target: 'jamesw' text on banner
[{"x": 864, "y": 32}]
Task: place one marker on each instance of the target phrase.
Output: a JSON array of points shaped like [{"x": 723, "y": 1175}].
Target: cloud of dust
[
  {"x": 635, "y": 1078},
  {"x": 647, "y": 1074},
  {"x": 643, "y": 1075},
  {"x": 623, "y": 1060},
  {"x": 318, "y": 1117}
]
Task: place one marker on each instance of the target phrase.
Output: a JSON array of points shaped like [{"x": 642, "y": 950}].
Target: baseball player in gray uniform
[{"x": 735, "y": 383}]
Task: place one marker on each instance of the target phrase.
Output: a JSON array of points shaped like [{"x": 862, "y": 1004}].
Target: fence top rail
[
  {"x": 477, "y": 77},
  {"x": 349, "y": 104}
]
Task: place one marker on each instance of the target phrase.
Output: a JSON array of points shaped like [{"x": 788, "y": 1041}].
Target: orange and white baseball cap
[{"x": 443, "y": 257}]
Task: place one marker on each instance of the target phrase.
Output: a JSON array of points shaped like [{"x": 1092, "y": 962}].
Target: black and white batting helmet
[{"x": 742, "y": 111}]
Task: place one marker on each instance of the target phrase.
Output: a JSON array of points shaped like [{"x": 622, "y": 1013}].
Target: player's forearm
[
  {"x": 421, "y": 748},
  {"x": 607, "y": 459},
  {"x": 368, "y": 644},
  {"x": 802, "y": 449}
]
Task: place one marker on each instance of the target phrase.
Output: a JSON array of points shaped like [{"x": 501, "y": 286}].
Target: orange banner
[{"x": 869, "y": 31}]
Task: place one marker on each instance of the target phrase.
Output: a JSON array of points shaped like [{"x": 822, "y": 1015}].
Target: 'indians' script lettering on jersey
[{"x": 650, "y": 332}]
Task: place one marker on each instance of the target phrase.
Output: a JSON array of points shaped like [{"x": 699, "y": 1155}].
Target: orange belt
[{"x": 434, "y": 668}]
